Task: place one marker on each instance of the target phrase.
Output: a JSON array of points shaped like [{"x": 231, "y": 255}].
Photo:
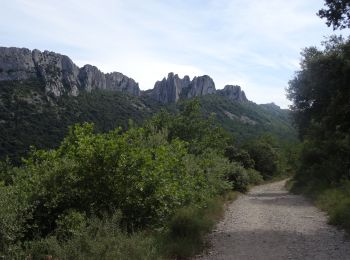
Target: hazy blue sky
[{"x": 252, "y": 43}]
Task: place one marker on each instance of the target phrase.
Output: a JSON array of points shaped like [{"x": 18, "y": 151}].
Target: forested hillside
[
  {"x": 30, "y": 117},
  {"x": 246, "y": 120}
]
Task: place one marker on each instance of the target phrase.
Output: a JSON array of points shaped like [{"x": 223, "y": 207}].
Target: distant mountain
[
  {"x": 59, "y": 74},
  {"x": 43, "y": 93},
  {"x": 173, "y": 88},
  {"x": 248, "y": 120},
  {"x": 62, "y": 77}
]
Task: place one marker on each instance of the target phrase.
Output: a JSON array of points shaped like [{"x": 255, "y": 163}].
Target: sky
[{"x": 252, "y": 43}]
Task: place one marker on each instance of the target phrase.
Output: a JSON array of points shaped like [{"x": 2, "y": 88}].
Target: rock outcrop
[
  {"x": 172, "y": 88},
  {"x": 169, "y": 89},
  {"x": 234, "y": 93},
  {"x": 62, "y": 77},
  {"x": 119, "y": 82},
  {"x": 91, "y": 77},
  {"x": 59, "y": 73},
  {"x": 16, "y": 64},
  {"x": 201, "y": 86}
]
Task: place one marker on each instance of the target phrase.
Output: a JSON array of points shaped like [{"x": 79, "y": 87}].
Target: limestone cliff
[
  {"x": 59, "y": 73},
  {"x": 233, "y": 92},
  {"x": 173, "y": 88}
]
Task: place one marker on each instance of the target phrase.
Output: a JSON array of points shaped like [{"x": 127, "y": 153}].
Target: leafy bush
[
  {"x": 238, "y": 176},
  {"x": 100, "y": 239},
  {"x": 266, "y": 160},
  {"x": 14, "y": 213},
  {"x": 254, "y": 177},
  {"x": 241, "y": 156},
  {"x": 99, "y": 172},
  {"x": 69, "y": 224},
  {"x": 336, "y": 201},
  {"x": 185, "y": 234}
]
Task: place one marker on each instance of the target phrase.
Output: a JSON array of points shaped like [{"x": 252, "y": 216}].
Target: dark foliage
[
  {"x": 321, "y": 105},
  {"x": 337, "y": 13},
  {"x": 30, "y": 118},
  {"x": 321, "y": 96}
]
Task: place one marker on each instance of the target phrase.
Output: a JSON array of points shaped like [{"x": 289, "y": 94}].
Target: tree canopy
[
  {"x": 321, "y": 96},
  {"x": 337, "y": 13}
]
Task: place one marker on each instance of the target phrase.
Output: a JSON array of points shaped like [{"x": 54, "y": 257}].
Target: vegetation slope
[
  {"x": 30, "y": 118},
  {"x": 148, "y": 192}
]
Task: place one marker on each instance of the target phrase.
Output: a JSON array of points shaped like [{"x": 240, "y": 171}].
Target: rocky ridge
[
  {"x": 173, "y": 88},
  {"x": 61, "y": 76},
  {"x": 59, "y": 73},
  {"x": 233, "y": 93}
]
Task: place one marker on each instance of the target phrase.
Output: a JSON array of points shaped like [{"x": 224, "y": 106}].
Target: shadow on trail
[
  {"x": 264, "y": 194},
  {"x": 267, "y": 244},
  {"x": 278, "y": 199}
]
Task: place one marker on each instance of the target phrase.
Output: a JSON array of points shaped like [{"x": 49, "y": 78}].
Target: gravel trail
[{"x": 270, "y": 223}]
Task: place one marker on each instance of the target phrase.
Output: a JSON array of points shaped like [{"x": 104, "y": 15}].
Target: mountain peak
[
  {"x": 233, "y": 92},
  {"x": 172, "y": 88},
  {"x": 59, "y": 73}
]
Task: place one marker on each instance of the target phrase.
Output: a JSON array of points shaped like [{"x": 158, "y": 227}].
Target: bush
[
  {"x": 186, "y": 231},
  {"x": 254, "y": 177},
  {"x": 336, "y": 201},
  {"x": 241, "y": 156},
  {"x": 69, "y": 224},
  {"x": 100, "y": 239},
  {"x": 265, "y": 157},
  {"x": 238, "y": 176},
  {"x": 14, "y": 213}
]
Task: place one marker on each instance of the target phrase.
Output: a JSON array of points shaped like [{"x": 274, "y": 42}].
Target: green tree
[
  {"x": 337, "y": 13},
  {"x": 239, "y": 155},
  {"x": 320, "y": 93},
  {"x": 265, "y": 158}
]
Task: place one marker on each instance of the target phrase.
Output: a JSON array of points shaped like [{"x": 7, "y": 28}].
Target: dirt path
[{"x": 270, "y": 223}]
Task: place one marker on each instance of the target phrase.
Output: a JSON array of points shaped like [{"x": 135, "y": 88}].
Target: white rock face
[
  {"x": 172, "y": 88},
  {"x": 92, "y": 78},
  {"x": 58, "y": 72},
  {"x": 169, "y": 89},
  {"x": 119, "y": 82},
  {"x": 201, "y": 86},
  {"x": 234, "y": 93},
  {"x": 16, "y": 64}
]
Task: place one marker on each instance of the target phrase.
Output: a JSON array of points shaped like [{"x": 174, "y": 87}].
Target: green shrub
[
  {"x": 100, "y": 239},
  {"x": 266, "y": 159},
  {"x": 254, "y": 177},
  {"x": 239, "y": 177},
  {"x": 14, "y": 213},
  {"x": 341, "y": 214},
  {"x": 69, "y": 224},
  {"x": 186, "y": 231},
  {"x": 336, "y": 201}
]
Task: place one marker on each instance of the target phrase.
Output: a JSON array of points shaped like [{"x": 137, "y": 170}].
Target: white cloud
[{"x": 253, "y": 43}]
